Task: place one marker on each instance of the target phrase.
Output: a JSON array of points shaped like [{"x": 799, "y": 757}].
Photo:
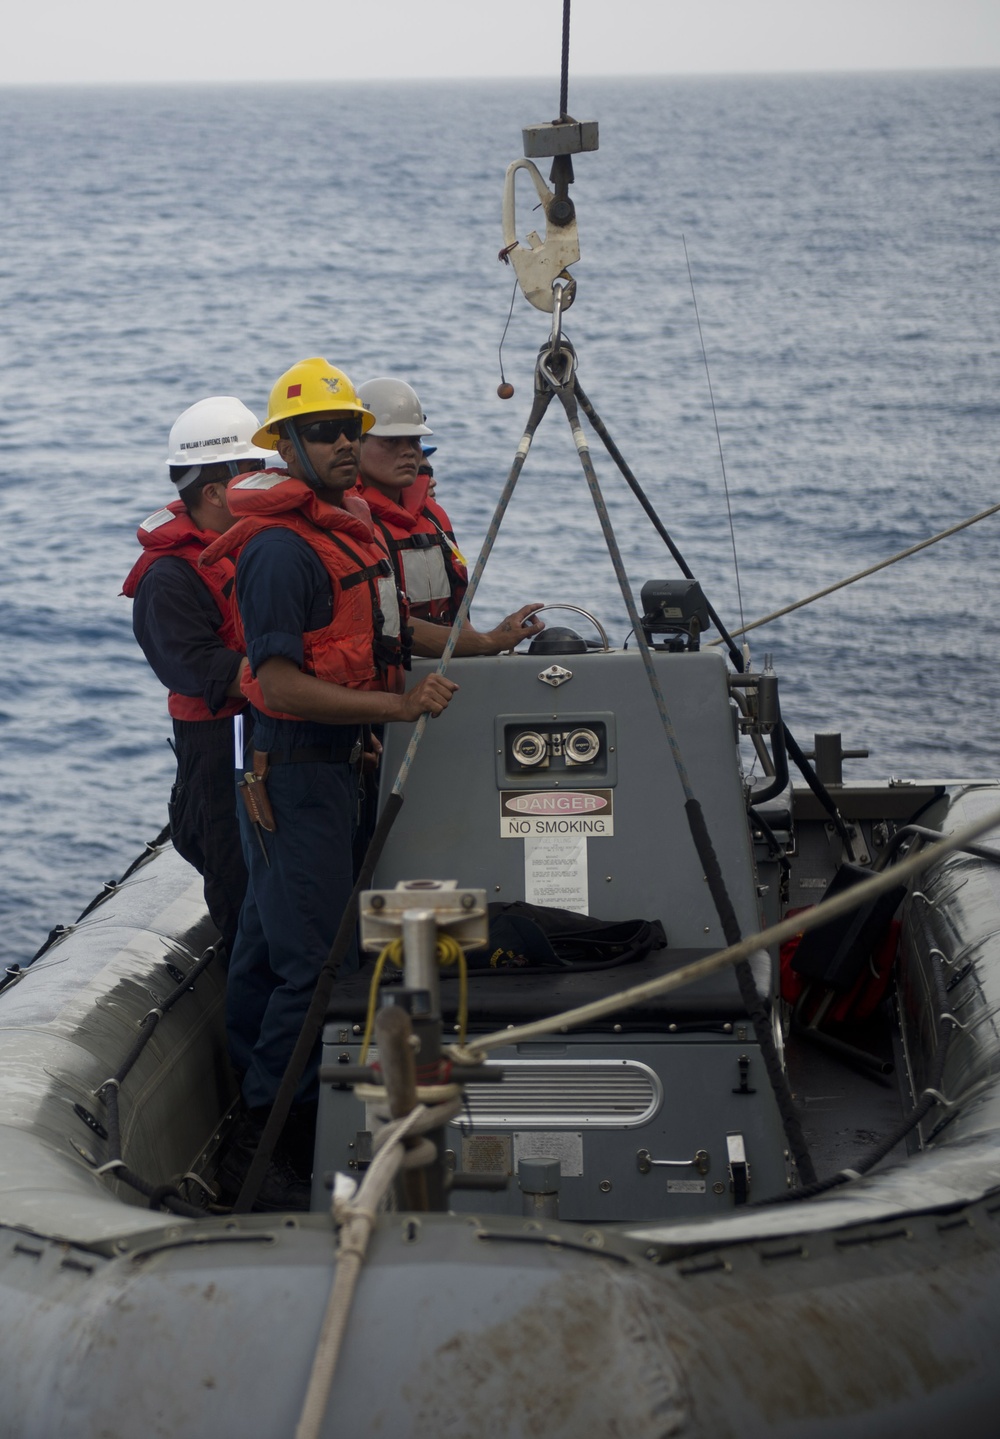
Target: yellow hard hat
[{"x": 311, "y": 387}]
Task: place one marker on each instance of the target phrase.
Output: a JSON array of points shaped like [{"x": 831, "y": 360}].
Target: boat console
[{"x": 552, "y": 783}]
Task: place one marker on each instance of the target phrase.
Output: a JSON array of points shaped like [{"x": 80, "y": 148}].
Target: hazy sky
[{"x": 126, "y": 40}]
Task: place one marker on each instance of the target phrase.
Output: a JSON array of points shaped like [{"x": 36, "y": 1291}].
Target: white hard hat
[
  {"x": 396, "y": 408},
  {"x": 212, "y": 431}
]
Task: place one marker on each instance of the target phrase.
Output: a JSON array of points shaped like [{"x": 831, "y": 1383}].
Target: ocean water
[{"x": 159, "y": 245}]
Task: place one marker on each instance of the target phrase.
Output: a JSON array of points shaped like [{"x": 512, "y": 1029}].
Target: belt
[{"x": 317, "y": 754}]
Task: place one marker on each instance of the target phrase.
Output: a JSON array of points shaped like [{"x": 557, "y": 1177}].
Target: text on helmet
[{"x": 204, "y": 444}]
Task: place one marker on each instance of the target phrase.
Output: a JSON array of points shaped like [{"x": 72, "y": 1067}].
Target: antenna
[{"x": 718, "y": 436}]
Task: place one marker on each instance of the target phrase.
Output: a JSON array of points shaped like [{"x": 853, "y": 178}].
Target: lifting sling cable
[
  {"x": 316, "y": 1015},
  {"x": 538, "y": 408},
  {"x": 568, "y": 401},
  {"x": 601, "y": 429},
  {"x": 561, "y": 357},
  {"x": 802, "y": 763}
]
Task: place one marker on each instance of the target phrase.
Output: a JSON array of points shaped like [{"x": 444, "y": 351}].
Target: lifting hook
[{"x": 540, "y": 262}]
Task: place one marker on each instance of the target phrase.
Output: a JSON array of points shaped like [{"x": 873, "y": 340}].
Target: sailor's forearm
[
  {"x": 429, "y": 640},
  {"x": 288, "y": 690}
]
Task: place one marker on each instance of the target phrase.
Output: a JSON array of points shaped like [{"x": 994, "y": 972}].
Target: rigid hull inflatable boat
[
  {"x": 591, "y": 1288},
  {"x": 725, "y": 1164}
]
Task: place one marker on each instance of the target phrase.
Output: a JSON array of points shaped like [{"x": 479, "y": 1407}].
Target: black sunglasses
[{"x": 327, "y": 432}]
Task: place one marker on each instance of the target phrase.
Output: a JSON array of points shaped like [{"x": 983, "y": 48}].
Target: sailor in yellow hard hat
[{"x": 325, "y": 635}]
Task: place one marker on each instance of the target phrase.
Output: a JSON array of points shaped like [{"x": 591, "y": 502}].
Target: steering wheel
[{"x": 587, "y": 616}]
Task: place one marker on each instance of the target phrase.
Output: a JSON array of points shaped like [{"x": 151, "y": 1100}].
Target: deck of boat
[{"x": 846, "y": 1112}]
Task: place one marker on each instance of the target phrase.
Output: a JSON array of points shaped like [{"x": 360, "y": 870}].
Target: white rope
[
  {"x": 689, "y": 973},
  {"x": 861, "y": 575},
  {"x": 426, "y": 1093},
  {"x": 357, "y": 1218}
]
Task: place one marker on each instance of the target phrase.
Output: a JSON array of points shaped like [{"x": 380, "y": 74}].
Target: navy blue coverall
[
  {"x": 176, "y": 622},
  {"x": 296, "y": 897}
]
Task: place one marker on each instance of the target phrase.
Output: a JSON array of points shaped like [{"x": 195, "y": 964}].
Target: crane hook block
[{"x": 538, "y": 263}]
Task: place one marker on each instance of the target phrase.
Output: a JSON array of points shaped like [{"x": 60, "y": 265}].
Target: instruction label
[
  {"x": 556, "y": 813},
  {"x": 555, "y": 873}
]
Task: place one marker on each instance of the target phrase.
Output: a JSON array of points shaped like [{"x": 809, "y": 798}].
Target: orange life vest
[
  {"x": 172, "y": 531},
  {"x": 365, "y": 645},
  {"x": 419, "y": 537}
]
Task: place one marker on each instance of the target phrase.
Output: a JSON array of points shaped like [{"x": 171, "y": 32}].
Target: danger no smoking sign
[{"x": 548, "y": 813}]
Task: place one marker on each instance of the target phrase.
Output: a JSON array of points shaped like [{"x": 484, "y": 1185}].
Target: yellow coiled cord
[{"x": 449, "y": 952}]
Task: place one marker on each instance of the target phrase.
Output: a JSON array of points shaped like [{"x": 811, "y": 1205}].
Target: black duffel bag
[{"x": 533, "y": 937}]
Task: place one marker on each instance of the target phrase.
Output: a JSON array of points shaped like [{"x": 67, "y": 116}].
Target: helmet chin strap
[
  {"x": 308, "y": 473},
  {"x": 243, "y": 467}
]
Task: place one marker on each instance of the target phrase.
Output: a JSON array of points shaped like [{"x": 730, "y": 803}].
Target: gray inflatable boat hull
[{"x": 872, "y": 1311}]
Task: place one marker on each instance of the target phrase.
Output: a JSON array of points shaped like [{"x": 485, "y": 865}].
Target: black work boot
[
  {"x": 298, "y": 1139},
  {"x": 281, "y": 1187}
]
